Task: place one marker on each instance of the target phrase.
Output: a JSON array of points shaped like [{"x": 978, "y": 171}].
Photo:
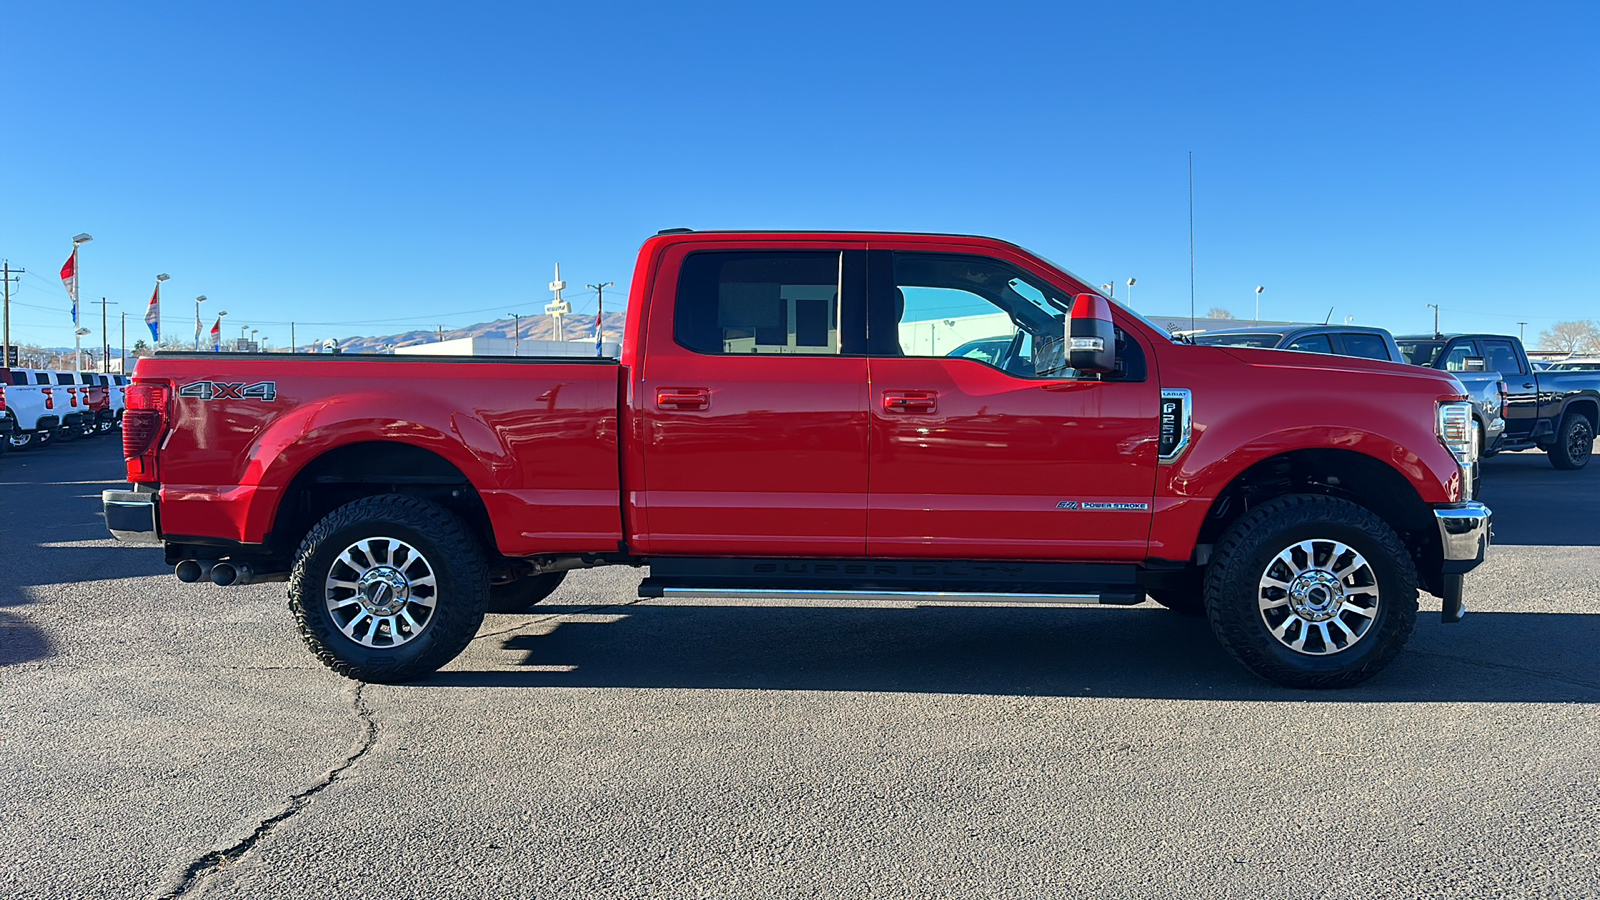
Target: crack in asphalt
[{"x": 196, "y": 873}]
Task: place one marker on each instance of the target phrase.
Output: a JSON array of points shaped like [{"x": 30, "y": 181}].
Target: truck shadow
[
  {"x": 1533, "y": 501},
  {"x": 21, "y": 642},
  {"x": 1139, "y": 652}
]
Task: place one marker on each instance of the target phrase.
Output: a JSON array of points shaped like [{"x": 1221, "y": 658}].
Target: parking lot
[{"x": 161, "y": 740}]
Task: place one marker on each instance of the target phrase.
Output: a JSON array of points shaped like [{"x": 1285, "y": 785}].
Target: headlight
[{"x": 1457, "y": 432}]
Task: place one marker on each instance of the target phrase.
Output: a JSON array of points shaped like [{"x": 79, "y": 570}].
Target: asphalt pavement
[{"x": 168, "y": 740}]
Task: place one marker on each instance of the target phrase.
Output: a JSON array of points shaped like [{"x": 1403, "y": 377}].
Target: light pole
[
  {"x": 1520, "y": 327},
  {"x": 1110, "y": 289},
  {"x": 253, "y": 337},
  {"x": 77, "y": 337},
  {"x": 197, "y": 301},
  {"x": 77, "y": 332},
  {"x": 1259, "y": 289},
  {"x": 1130, "y": 291},
  {"x": 516, "y": 334},
  {"x": 1435, "y": 308}
]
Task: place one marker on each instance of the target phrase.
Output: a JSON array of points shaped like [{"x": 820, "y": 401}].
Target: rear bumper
[{"x": 132, "y": 516}]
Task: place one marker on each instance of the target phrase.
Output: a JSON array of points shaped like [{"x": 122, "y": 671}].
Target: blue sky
[{"x": 365, "y": 168}]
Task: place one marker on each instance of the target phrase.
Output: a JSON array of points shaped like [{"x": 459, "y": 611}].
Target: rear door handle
[
  {"x": 683, "y": 398},
  {"x": 911, "y": 401}
]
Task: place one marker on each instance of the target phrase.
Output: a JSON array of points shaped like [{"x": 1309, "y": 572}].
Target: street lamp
[
  {"x": 77, "y": 336},
  {"x": 253, "y": 336},
  {"x": 1259, "y": 289},
  {"x": 1110, "y": 289},
  {"x": 516, "y": 334},
  {"x": 197, "y": 301},
  {"x": 1130, "y": 292}
]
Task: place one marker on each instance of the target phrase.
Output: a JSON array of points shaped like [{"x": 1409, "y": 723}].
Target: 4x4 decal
[{"x": 230, "y": 390}]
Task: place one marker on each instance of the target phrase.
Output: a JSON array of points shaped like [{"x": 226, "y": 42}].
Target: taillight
[
  {"x": 143, "y": 422},
  {"x": 1505, "y": 396},
  {"x": 2, "y": 398},
  {"x": 49, "y": 397}
]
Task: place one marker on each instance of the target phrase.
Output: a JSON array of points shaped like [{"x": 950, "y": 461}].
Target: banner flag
[
  {"x": 152, "y": 315},
  {"x": 216, "y": 336},
  {"x": 69, "y": 277}
]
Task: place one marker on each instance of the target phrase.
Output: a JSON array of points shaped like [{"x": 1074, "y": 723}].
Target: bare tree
[
  {"x": 1580, "y": 336},
  {"x": 1218, "y": 312}
]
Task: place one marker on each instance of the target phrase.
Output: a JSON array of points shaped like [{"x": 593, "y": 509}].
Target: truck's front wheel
[
  {"x": 388, "y": 588},
  {"x": 1312, "y": 591}
]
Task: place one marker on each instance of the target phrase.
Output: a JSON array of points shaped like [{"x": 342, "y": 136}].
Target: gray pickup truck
[
  {"x": 1486, "y": 386},
  {"x": 1554, "y": 411}
]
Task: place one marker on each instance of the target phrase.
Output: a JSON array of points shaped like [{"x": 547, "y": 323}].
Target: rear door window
[
  {"x": 770, "y": 302},
  {"x": 1500, "y": 356},
  {"x": 1365, "y": 345},
  {"x": 1311, "y": 343}
]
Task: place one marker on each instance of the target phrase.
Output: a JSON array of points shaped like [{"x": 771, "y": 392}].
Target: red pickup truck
[{"x": 772, "y": 429}]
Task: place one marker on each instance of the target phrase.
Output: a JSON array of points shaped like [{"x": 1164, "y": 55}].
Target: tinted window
[
  {"x": 1259, "y": 340},
  {"x": 1420, "y": 353},
  {"x": 1456, "y": 359},
  {"x": 42, "y": 378},
  {"x": 759, "y": 303},
  {"x": 1311, "y": 343},
  {"x": 1370, "y": 346},
  {"x": 1500, "y": 356}
]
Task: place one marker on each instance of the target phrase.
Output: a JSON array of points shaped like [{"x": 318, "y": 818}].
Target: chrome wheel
[
  {"x": 381, "y": 592},
  {"x": 1318, "y": 597}
]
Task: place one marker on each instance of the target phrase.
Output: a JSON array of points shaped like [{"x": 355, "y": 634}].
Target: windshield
[
  {"x": 1421, "y": 353},
  {"x": 1259, "y": 340}
]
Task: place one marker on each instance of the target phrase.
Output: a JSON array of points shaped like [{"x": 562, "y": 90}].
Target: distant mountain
[{"x": 534, "y": 328}]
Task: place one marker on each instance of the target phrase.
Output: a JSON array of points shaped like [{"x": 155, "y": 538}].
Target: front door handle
[
  {"x": 1527, "y": 384},
  {"x": 683, "y": 398},
  {"x": 923, "y": 402}
]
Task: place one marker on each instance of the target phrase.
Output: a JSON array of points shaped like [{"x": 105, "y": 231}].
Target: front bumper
[
  {"x": 1464, "y": 535},
  {"x": 132, "y": 516}
]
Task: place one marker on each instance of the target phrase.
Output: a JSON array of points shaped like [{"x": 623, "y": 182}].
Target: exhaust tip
[
  {"x": 224, "y": 574},
  {"x": 189, "y": 571}
]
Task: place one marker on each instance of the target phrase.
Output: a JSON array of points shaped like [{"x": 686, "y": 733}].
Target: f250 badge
[{"x": 230, "y": 390}]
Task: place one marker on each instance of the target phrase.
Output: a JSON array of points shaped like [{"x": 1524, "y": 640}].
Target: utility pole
[
  {"x": 599, "y": 312},
  {"x": 1520, "y": 327},
  {"x": 7, "y": 354},
  {"x": 123, "y": 345},
  {"x": 291, "y": 338},
  {"x": 441, "y": 334},
  {"x": 105, "y": 347},
  {"x": 1435, "y": 308},
  {"x": 516, "y": 334}
]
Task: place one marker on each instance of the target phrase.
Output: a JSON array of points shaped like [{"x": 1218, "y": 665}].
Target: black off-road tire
[
  {"x": 520, "y": 595},
  {"x": 1242, "y": 557},
  {"x": 65, "y": 434},
  {"x": 449, "y": 548},
  {"x": 1574, "y": 442}
]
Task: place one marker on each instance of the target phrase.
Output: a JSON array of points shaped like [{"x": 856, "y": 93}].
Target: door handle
[
  {"x": 1527, "y": 384},
  {"x": 683, "y": 398},
  {"x": 911, "y": 401}
]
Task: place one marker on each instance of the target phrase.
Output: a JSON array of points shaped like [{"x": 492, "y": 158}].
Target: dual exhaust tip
[{"x": 222, "y": 574}]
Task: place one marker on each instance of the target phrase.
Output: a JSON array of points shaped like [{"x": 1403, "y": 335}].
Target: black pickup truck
[{"x": 1557, "y": 412}]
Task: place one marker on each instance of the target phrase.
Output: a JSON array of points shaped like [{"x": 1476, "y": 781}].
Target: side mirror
[
  {"x": 1473, "y": 364},
  {"x": 1091, "y": 337}
]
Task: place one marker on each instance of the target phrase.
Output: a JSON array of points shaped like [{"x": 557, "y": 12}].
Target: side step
[{"x": 929, "y": 581}]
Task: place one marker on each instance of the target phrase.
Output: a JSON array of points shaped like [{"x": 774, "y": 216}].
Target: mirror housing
[{"x": 1091, "y": 336}]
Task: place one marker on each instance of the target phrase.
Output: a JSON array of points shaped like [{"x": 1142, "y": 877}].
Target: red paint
[{"x": 683, "y": 453}]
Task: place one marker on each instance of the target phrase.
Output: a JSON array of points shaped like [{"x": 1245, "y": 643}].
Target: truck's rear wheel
[
  {"x": 388, "y": 588},
  {"x": 1312, "y": 591},
  {"x": 1574, "y": 442},
  {"x": 521, "y": 594}
]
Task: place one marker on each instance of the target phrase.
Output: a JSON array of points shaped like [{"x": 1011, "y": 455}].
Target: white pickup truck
[{"x": 40, "y": 411}]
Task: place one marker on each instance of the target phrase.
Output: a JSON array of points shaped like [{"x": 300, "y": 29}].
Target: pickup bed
[
  {"x": 765, "y": 433},
  {"x": 1554, "y": 411}
]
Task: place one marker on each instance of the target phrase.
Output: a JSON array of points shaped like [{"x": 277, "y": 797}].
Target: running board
[{"x": 928, "y": 581}]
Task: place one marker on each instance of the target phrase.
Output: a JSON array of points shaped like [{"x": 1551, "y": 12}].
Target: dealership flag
[
  {"x": 216, "y": 336},
  {"x": 152, "y": 315},
  {"x": 69, "y": 277}
]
